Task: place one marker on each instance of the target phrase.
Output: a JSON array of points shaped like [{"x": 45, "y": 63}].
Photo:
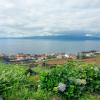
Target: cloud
[{"x": 47, "y": 17}]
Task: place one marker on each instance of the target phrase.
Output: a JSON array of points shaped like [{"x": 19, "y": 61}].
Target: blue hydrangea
[{"x": 80, "y": 81}]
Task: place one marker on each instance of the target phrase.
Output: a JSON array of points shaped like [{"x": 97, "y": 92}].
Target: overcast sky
[{"x": 48, "y": 17}]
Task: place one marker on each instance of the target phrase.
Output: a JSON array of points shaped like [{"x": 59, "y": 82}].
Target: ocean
[{"x": 40, "y": 46}]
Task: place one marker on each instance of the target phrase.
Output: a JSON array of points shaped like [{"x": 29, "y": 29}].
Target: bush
[
  {"x": 76, "y": 77},
  {"x": 93, "y": 79},
  {"x": 68, "y": 81},
  {"x": 15, "y": 84}
]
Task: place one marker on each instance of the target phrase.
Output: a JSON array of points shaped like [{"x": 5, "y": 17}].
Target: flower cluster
[
  {"x": 96, "y": 69},
  {"x": 80, "y": 81},
  {"x": 62, "y": 87},
  {"x": 72, "y": 79}
]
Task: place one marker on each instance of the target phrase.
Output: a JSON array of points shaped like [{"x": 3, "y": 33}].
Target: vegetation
[
  {"x": 77, "y": 77},
  {"x": 73, "y": 80},
  {"x": 97, "y": 55}
]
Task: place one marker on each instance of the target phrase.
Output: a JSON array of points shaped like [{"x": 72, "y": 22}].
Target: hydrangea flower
[
  {"x": 80, "y": 81},
  {"x": 62, "y": 87},
  {"x": 83, "y": 81},
  {"x": 96, "y": 69}
]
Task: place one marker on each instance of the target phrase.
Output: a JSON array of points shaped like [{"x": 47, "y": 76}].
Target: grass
[
  {"x": 97, "y": 55},
  {"x": 41, "y": 69},
  {"x": 89, "y": 96}
]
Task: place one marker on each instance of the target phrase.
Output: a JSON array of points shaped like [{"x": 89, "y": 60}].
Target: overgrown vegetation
[{"x": 73, "y": 80}]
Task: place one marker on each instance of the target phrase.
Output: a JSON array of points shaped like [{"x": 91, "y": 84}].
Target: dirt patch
[{"x": 92, "y": 60}]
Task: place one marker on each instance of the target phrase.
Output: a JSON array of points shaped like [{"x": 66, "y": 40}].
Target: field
[
  {"x": 57, "y": 61},
  {"x": 97, "y": 55},
  {"x": 93, "y": 60},
  {"x": 63, "y": 61},
  {"x": 73, "y": 80}
]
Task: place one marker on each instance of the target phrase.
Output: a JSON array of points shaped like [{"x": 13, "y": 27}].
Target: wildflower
[
  {"x": 83, "y": 81},
  {"x": 80, "y": 81},
  {"x": 62, "y": 87},
  {"x": 96, "y": 69}
]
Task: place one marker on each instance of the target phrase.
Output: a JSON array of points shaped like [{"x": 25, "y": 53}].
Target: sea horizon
[{"x": 41, "y": 46}]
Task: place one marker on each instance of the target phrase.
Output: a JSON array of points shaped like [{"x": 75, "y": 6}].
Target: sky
[{"x": 20, "y": 18}]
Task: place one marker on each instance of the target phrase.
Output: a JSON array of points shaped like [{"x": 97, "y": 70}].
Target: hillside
[{"x": 72, "y": 80}]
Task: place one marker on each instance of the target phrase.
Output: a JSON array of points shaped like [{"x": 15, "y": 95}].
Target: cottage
[
  {"x": 72, "y": 56},
  {"x": 66, "y": 56},
  {"x": 60, "y": 55},
  {"x": 86, "y": 54},
  {"x": 22, "y": 56},
  {"x": 97, "y": 52},
  {"x": 2, "y": 55},
  {"x": 40, "y": 57}
]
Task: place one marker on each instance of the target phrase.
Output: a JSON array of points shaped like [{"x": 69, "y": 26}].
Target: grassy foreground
[{"x": 72, "y": 81}]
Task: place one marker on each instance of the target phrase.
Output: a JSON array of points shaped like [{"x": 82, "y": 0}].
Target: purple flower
[{"x": 62, "y": 87}]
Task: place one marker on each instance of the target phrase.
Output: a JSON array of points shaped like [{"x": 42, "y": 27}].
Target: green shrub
[
  {"x": 69, "y": 81},
  {"x": 77, "y": 76},
  {"x": 14, "y": 83}
]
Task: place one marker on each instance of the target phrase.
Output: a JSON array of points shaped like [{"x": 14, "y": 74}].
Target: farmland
[
  {"x": 63, "y": 61},
  {"x": 92, "y": 60},
  {"x": 80, "y": 79}
]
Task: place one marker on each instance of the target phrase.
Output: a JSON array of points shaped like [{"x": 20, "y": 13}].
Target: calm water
[{"x": 13, "y": 46}]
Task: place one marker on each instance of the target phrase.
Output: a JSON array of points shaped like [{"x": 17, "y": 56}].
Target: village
[{"x": 91, "y": 56}]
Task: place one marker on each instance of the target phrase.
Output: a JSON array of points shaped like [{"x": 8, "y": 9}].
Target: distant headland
[{"x": 59, "y": 37}]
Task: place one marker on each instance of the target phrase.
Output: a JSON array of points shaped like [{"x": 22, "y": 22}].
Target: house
[
  {"x": 2, "y": 55},
  {"x": 66, "y": 56},
  {"x": 60, "y": 55},
  {"x": 86, "y": 54},
  {"x": 72, "y": 56},
  {"x": 12, "y": 57},
  {"x": 97, "y": 52},
  {"x": 40, "y": 57},
  {"x": 22, "y": 56}
]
